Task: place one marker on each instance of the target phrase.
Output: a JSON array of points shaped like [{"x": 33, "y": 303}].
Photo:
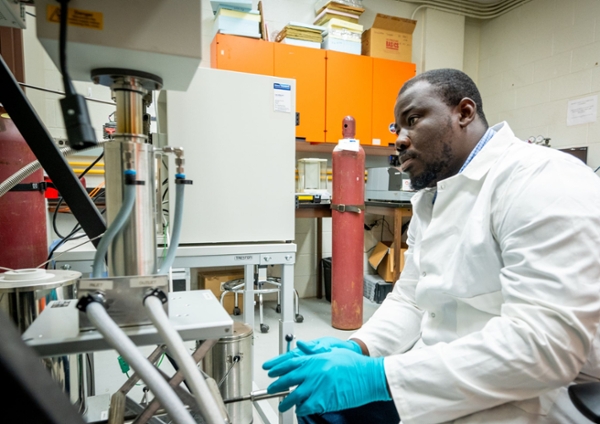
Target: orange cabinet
[
  {"x": 388, "y": 78},
  {"x": 307, "y": 67},
  {"x": 241, "y": 54},
  {"x": 330, "y": 85},
  {"x": 349, "y": 92}
]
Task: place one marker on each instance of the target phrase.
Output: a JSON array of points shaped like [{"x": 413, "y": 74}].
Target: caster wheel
[
  {"x": 264, "y": 328},
  {"x": 236, "y": 311},
  {"x": 278, "y": 309},
  {"x": 299, "y": 318}
]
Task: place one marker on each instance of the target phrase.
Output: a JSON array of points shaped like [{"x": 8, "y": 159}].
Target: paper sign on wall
[
  {"x": 282, "y": 97},
  {"x": 582, "y": 111}
]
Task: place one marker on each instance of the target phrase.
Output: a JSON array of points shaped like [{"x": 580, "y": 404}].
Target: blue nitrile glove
[
  {"x": 330, "y": 381},
  {"x": 321, "y": 345}
]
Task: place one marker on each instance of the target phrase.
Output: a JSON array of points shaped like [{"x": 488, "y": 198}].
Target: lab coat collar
[{"x": 490, "y": 153}]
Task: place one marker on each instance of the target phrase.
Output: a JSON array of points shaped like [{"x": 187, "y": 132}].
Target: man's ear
[{"x": 467, "y": 110}]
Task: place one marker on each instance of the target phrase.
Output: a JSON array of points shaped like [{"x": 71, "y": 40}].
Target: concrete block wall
[{"x": 533, "y": 61}]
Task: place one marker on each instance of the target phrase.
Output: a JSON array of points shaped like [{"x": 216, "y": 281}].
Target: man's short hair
[{"x": 452, "y": 86}]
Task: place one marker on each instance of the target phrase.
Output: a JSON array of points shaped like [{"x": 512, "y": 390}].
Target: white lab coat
[{"x": 497, "y": 309}]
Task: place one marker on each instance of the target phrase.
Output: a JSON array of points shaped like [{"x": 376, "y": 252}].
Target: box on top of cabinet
[{"x": 390, "y": 37}]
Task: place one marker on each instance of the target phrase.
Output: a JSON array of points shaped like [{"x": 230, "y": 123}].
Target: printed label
[
  {"x": 282, "y": 97},
  {"x": 350, "y": 144},
  {"x": 96, "y": 285},
  {"x": 243, "y": 258},
  {"x": 146, "y": 282},
  {"x": 76, "y": 17},
  {"x": 392, "y": 44}
]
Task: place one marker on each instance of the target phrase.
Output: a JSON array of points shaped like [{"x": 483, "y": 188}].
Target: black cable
[
  {"x": 67, "y": 83},
  {"x": 60, "y": 199},
  {"x": 67, "y": 238}
]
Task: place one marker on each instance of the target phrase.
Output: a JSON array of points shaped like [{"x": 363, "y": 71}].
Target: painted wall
[{"x": 533, "y": 61}]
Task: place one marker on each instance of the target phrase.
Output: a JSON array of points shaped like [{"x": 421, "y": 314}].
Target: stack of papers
[
  {"x": 301, "y": 35},
  {"x": 347, "y": 6},
  {"x": 236, "y": 22},
  {"x": 344, "y": 30},
  {"x": 239, "y": 5},
  {"x": 327, "y": 14}
]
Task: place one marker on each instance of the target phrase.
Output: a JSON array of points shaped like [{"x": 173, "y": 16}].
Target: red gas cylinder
[
  {"x": 23, "y": 237},
  {"x": 347, "y": 204}
]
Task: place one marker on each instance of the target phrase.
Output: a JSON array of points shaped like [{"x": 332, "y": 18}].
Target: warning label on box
[{"x": 77, "y": 17}]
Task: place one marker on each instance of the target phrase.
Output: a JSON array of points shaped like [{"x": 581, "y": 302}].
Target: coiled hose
[{"x": 27, "y": 170}]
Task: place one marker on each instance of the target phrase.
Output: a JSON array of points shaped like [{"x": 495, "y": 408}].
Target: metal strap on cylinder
[{"x": 348, "y": 208}]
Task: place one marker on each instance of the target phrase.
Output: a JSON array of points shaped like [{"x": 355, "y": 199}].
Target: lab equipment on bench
[
  {"x": 312, "y": 180},
  {"x": 262, "y": 285},
  {"x": 388, "y": 184}
]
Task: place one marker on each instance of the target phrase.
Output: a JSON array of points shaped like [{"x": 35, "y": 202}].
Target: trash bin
[{"x": 326, "y": 269}]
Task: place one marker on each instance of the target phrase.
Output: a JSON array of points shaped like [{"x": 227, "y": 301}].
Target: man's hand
[
  {"x": 322, "y": 345},
  {"x": 330, "y": 381}
]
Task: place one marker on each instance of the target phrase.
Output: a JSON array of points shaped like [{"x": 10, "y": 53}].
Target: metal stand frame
[{"x": 247, "y": 255}]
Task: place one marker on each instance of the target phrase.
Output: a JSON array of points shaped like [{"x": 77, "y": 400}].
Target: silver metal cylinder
[
  {"x": 231, "y": 358},
  {"x": 24, "y": 294},
  {"x": 134, "y": 250},
  {"x": 129, "y": 94}
]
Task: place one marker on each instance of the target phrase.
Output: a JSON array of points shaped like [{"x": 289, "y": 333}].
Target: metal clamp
[
  {"x": 41, "y": 187},
  {"x": 348, "y": 208}
]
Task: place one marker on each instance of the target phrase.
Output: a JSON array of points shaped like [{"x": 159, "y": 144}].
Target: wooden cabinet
[
  {"x": 307, "y": 67},
  {"x": 241, "y": 54},
  {"x": 349, "y": 92},
  {"x": 388, "y": 78}
]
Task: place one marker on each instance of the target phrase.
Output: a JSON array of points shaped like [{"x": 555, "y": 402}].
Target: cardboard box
[
  {"x": 382, "y": 259},
  {"x": 390, "y": 37},
  {"x": 214, "y": 280}
]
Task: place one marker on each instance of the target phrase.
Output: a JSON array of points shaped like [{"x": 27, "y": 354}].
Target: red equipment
[
  {"x": 347, "y": 214},
  {"x": 23, "y": 234}
]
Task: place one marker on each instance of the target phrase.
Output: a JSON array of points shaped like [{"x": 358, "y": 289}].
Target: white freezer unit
[{"x": 238, "y": 135}]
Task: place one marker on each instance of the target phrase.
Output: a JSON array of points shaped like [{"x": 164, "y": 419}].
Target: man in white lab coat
[{"x": 496, "y": 312}]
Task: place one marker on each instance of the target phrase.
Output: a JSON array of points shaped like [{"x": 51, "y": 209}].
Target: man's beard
[{"x": 434, "y": 171}]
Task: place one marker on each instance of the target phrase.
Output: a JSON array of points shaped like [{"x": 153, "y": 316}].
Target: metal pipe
[
  {"x": 134, "y": 250},
  {"x": 465, "y": 9},
  {"x": 257, "y": 395}
]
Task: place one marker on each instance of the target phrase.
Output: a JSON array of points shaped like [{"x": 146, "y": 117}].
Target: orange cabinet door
[
  {"x": 241, "y": 54},
  {"x": 348, "y": 92},
  {"x": 388, "y": 78},
  {"x": 307, "y": 67}
]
